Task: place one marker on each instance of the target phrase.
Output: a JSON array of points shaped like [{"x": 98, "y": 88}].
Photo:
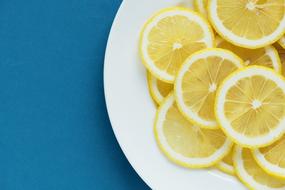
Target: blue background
[{"x": 54, "y": 128}]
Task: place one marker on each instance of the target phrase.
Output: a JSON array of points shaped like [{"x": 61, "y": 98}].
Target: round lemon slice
[
  {"x": 158, "y": 89},
  {"x": 169, "y": 37},
  {"x": 282, "y": 42},
  {"x": 201, "y": 7},
  {"x": 185, "y": 143},
  {"x": 281, "y": 52},
  {"x": 250, "y": 106},
  {"x": 226, "y": 165},
  {"x": 272, "y": 158},
  {"x": 252, "y": 175},
  {"x": 197, "y": 82},
  {"x": 248, "y": 23},
  {"x": 267, "y": 56}
]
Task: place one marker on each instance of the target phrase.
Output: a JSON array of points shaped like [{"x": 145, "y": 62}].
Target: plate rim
[{"x": 106, "y": 58}]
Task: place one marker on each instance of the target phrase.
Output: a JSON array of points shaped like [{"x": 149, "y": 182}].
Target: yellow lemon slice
[
  {"x": 197, "y": 82},
  {"x": 250, "y": 106},
  {"x": 226, "y": 165},
  {"x": 201, "y": 7},
  {"x": 248, "y": 23},
  {"x": 272, "y": 158},
  {"x": 169, "y": 37},
  {"x": 158, "y": 89},
  {"x": 252, "y": 175},
  {"x": 185, "y": 143},
  {"x": 267, "y": 56}
]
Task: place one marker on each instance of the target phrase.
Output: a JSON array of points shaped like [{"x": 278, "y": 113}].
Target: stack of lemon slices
[{"x": 215, "y": 75}]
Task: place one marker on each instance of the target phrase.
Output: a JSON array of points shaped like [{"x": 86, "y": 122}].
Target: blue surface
[{"x": 54, "y": 128}]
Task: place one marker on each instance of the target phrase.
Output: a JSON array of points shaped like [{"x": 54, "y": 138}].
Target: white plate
[{"x": 131, "y": 109}]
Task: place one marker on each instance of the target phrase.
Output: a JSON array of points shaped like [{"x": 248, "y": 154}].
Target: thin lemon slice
[
  {"x": 282, "y": 42},
  {"x": 226, "y": 165},
  {"x": 272, "y": 158},
  {"x": 252, "y": 175},
  {"x": 158, "y": 89},
  {"x": 248, "y": 23},
  {"x": 201, "y": 7},
  {"x": 185, "y": 143},
  {"x": 281, "y": 52},
  {"x": 267, "y": 56},
  {"x": 197, "y": 81},
  {"x": 169, "y": 37},
  {"x": 250, "y": 106}
]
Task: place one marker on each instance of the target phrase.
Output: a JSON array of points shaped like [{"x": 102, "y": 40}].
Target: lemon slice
[
  {"x": 158, "y": 89},
  {"x": 267, "y": 56},
  {"x": 281, "y": 52},
  {"x": 248, "y": 23},
  {"x": 169, "y": 37},
  {"x": 226, "y": 165},
  {"x": 185, "y": 143},
  {"x": 282, "y": 42},
  {"x": 201, "y": 7},
  {"x": 272, "y": 158},
  {"x": 250, "y": 106},
  {"x": 252, "y": 175},
  {"x": 197, "y": 81}
]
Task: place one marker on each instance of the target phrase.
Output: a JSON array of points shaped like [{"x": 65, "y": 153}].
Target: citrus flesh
[
  {"x": 185, "y": 143},
  {"x": 169, "y": 37}
]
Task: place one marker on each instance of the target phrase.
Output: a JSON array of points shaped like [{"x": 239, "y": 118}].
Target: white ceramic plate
[{"x": 131, "y": 109}]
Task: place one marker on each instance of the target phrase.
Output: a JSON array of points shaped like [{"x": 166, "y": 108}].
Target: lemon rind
[
  {"x": 199, "y": 7},
  {"x": 226, "y": 168},
  {"x": 236, "y": 159},
  {"x": 275, "y": 58},
  {"x": 153, "y": 90}
]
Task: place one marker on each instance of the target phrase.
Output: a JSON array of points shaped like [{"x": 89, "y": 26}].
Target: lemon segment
[
  {"x": 250, "y": 106},
  {"x": 267, "y": 56},
  {"x": 169, "y": 37},
  {"x": 185, "y": 143},
  {"x": 251, "y": 174},
  {"x": 158, "y": 89},
  {"x": 226, "y": 165},
  {"x": 248, "y": 23},
  {"x": 272, "y": 158},
  {"x": 197, "y": 82}
]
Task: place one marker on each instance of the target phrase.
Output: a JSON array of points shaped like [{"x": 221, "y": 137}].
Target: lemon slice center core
[
  {"x": 251, "y": 6},
  {"x": 177, "y": 46},
  {"x": 256, "y": 104},
  {"x": 212, "y": 87}
]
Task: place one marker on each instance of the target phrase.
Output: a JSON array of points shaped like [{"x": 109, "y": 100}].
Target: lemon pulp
[
  {"x": 267, "y": 57},
  {"x": 228, "y": 159},
  {"x": 188, "y": 139},
  {"x": 256, "y": 105}
]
